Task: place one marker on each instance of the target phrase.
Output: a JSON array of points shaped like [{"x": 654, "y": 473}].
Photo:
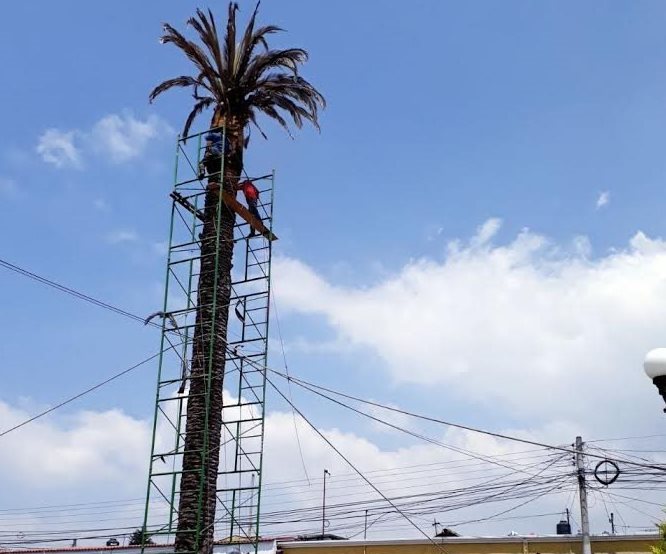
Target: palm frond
[
  {"x": 198, "y": 108},
  {"x": 230, "y": 38},
  {"x": 208, "y": 35},
  {"x": 251, "y": 39},
  {"x": 293, "y": 86},
  {"x": 253, "y": 119},
  {"x": 288, "y": 59},
  {"x": 190, "y": 49},
  {"x": 271, "y": 112},
  {"x": 182, "y": 81}
]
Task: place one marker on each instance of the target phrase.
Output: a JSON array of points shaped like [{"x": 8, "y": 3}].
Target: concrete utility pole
[{"x": 582, "y": 493}]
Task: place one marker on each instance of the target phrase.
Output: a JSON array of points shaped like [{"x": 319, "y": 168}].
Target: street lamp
[
  {"x": 323, "y": 505},
  {"x": 655, "y": 368}
]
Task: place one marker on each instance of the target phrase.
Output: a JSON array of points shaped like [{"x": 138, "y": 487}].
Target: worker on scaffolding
[
  {"x": 211, "y": 163},
  {"x": 251, "y": 194}
]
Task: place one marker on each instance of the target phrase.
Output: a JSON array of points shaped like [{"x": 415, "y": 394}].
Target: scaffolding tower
[{"x": 241, "y": 451}]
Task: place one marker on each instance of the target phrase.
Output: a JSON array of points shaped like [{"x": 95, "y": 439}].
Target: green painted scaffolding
[{"x": 241, "y": 452}]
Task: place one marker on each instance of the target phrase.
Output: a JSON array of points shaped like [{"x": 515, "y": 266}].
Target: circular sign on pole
[{"x": 606, "y": 472}]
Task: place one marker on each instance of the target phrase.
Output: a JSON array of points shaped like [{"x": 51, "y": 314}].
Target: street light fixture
[
  {"x": 323, "y": 505},
  {"x": 655, "y": 368}
]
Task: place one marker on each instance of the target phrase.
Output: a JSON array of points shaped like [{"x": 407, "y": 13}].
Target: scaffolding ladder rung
[
  {"x": 240, "y": 405},
  {"x": 183, "y": 397},
  {"x": 248, "y": 455},
  {"x": 244, "y": 437},
  {"x": 252, "y": 387},
  {"x": 234, "y": 489},
  {"x": 233, "y": 472},
  {"x": 253, "y": 280},
  {"x": 244, "y": 420}
]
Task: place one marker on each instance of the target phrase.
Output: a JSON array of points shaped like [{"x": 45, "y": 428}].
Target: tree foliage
[
  {"x": 242, "y": 76},
  {"x": 660, "y": 547},
  {"x": 140, "y": 537}
]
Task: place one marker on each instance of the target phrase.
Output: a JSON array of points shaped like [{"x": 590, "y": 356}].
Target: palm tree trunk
[{"x": 204, "y": 426}]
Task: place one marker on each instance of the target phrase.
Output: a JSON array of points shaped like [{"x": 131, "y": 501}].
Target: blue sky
[{"x": 441, "y": 116}]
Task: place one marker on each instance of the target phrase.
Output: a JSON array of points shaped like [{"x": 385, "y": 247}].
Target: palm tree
[{"x": 238, "y": 80}]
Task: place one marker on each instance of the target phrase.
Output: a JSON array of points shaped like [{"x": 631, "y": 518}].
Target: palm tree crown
[{"x": 242, "y": 78}]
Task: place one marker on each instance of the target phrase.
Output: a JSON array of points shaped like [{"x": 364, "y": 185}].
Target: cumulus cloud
[
  {"x": 94, "y": 456},
  {"x": 59, "y": 149},
  {"x": 116, "y": 138},
  {"x": 603, "y": 199},
  {"x": 124, "y": 137},
  {"x": 528, "y": 324},
  {"x": 99, "y": 455},
  {"x": 88, "y": 447}
]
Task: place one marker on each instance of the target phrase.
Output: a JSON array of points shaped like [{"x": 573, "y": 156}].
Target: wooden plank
[{"x": 235, "y": 205}]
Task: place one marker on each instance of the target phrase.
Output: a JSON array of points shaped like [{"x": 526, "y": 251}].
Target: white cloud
[
  {"x": 394, "y": 418},
  {"x": 57, "y": 147},
  {"x": 603, "y": 199},
  {"x": 525, "y": 327},
  {"x": 121, "y": 235},
  {"x": 89, "y": 447},
  {"x": 116, "y": 138},
  {"x": 486, "y": 232},
  {"x": 123, "y": 137},
  {"x": 94, "y": 456}
]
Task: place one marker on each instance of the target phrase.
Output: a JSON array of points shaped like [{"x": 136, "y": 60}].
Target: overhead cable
[{"x": 79, "y": 395}]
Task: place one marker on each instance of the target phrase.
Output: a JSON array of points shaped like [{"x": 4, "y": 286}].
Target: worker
[
  {"x": 251, "y": 194},
  {"x": 211, "y": 162}
]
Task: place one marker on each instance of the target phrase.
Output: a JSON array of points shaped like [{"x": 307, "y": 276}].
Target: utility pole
[
  {"x": 611, "y": 520},
  {"x": 365, "y": 527},
  {"x": 435, "y": 524},
  {"x": 582, "y": 494},
  {"x": 323, "y": 506}
]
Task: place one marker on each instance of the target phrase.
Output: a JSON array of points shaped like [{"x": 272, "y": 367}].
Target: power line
[
  {"x": 628, "y": 438},
  {"x": 120, "y": 311},
  {"x": 449, "y": 467},
  {"x": 412, "y": 433},
  {"x": 339, "y": 453},
  {"x": 306, "y": 384},
  {"x": 286, "y": 369},
  {"x": 72, "y": 292},
  {"x": 79, "y": 395}
]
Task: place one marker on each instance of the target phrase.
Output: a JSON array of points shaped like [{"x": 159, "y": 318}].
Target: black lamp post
[{"x": 655, "y": 368}]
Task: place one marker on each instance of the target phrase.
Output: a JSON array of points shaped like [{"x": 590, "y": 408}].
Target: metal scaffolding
[{"x": 241, "y": 452}]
